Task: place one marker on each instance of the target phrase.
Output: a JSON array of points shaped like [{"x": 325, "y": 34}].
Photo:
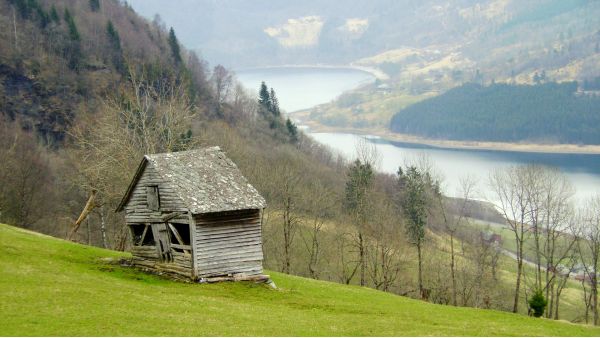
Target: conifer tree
[
  {"x": 414, "y": 204},
  {"x": 73, "y": 31},
  {"x": 292, "y": 130},
  {"x": 73, "y": 49},
  {"x": 174, "y": 44},
  {"x": 115, "y": 42},
  {"x": 264, "y": 99},
  {"x": 95, "y": 5},
  {"x": 274, "y": 104},
  {"x": 54, "y": 15}
]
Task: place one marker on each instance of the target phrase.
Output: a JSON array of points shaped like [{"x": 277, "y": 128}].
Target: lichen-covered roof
[{"x": 205, "y": 180}]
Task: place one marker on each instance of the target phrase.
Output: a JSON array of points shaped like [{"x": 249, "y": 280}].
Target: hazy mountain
[{"x": 502, "y": 36}]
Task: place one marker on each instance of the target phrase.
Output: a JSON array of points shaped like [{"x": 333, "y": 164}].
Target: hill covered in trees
[{"x": 549, "y": 112}]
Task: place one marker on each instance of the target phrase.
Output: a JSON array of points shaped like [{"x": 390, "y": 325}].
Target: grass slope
[{"x": 53, "y": 287}]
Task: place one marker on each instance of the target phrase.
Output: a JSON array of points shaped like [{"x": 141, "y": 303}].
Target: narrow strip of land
[{"x": 456, "y": 144}]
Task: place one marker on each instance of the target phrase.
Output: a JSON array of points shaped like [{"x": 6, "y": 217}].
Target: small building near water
[{"x": 192, "y": 214}]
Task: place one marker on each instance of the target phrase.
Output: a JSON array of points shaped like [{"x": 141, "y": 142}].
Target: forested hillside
[
  {"x": 549, "y": 113},
  {"x": 88, "y": 87}
]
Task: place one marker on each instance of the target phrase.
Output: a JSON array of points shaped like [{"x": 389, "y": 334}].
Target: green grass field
[{"x": 53, "y": 287}]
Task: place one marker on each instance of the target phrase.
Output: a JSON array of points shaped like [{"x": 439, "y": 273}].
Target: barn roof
[{"x": 205, "y": 180}]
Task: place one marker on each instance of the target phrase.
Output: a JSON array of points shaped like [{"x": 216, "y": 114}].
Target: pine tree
[
  {"x": 174, "y": 44},
  {"x": 95, "y": 5},
  {"x": 54, "y": 15},
  {"x": 73, "y": 52},
  {"x": 115, "y": 42},
  {"x": 274, "y": 104},
  {"x": 73, "y": 31},
  {"x": 113, "y": 36},
  {"x": 264, "y": 99},
  {"x": 414, "y": 204},
  {"x": 292, "y": 130},
  {"x": 43, "y": 17}
]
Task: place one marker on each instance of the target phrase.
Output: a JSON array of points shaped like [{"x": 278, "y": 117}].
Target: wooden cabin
[{"x": 192, "y": 214}]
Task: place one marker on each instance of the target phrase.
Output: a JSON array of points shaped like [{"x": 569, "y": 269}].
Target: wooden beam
[
  {"x": 193, "y": 243},
  {"x": 89, "y": 206},
  {"x": 181, "y": 246},
  {"x": 172, "y": 215},
  {"x": 143, "y": 235},
  {"x": 178, "y": 237}
]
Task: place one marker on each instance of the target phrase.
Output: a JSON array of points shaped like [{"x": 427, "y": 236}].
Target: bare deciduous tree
[
  {"x": 510, "y": 186},
  {"x": 588, "y": 244},
  {"x": 144, "y": 117}
]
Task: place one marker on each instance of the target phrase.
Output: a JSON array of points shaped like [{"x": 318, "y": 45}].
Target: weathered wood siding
[
  {"x": 147, "y": 257},
  {"x": 228, "y": 243},
  {"x": 136, "y": 209}
]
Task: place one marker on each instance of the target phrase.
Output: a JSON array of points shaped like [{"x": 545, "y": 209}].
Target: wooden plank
[
  {"x": 220, "y": 237},
  {"x": 233, "y": 270},
  {"x": 143, "y": 235},
  {"x": 208, "y": 239},
  {"x": 229, "y": 229},
  {"x": 224, "y": 260},
  {"x": 193, "y": 243},
  {"x": 182, "y": 247}
]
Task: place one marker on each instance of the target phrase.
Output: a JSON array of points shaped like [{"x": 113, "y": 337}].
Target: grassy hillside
[{"x": 52, "y": 287}]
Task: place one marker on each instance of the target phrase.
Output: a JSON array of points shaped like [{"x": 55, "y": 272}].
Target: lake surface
[
  {"x": 304, "y": 87},
  {"x": 582, "y": 170},
  {"x": 300, "y": 88}
]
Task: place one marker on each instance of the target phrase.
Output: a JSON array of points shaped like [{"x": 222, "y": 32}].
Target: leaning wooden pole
[{"x": 89, "y": 206}]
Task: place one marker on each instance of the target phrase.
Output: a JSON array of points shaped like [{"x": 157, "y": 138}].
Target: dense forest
[
  {"x": 88, "y": 87},
  {"x": 547, "y": 112}
]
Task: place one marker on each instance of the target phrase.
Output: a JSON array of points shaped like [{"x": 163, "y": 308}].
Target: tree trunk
[
  {"x": 420, "y": 270},
  {"x": 286, "y": 236},
  {"x": 103, "y": 228},
  {"x": 361, "y": 248},
  {"x": 595, "y": 297},
  {"x": 549, "y": 297},
  {"x": 454, "y": 302},
  {"x": 519, "y": 272},
  {"x": 89, "y": 231},
  {"x": 15, "y": 28}
]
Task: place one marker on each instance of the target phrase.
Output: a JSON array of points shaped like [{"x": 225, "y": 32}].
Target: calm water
[
  {"x": 582, "y": 170},
  {"x": 300, "y": 88},
  {"x": 304, "y": 87}
]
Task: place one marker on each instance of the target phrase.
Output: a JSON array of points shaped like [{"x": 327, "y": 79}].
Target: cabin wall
[
  {"x": 159, "y": 257},
  {"x": 136, "y": 209},
  {"x": 148, "y": 258},
  {"x": 168, "y": 254},
  {"x": 228, "y": 243}
]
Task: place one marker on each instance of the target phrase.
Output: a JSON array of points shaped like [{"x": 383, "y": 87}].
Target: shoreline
[
  {"x": 376, "y": 73},
  {"x": 315, "y": 127}
]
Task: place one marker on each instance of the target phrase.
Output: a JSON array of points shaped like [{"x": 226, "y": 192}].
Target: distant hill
[
  {"x": 550, "y": 112},
  {"x": 51, "y": 287},
  {"x": 501, "y": 38}
]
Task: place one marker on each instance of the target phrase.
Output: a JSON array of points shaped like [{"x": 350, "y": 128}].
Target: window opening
[
  {"x": 142, "y": 235},
  {"x": 179, "y": 234}
]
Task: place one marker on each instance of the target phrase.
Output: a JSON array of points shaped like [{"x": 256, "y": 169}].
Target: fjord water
[
  {"x": 453, "y": 164},
  {"x": 299, "y": 88}
]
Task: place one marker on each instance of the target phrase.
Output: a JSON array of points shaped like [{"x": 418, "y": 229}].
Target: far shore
[
  {"x": 377, "y": 73},
  {"x": 454, "y": 144}
]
